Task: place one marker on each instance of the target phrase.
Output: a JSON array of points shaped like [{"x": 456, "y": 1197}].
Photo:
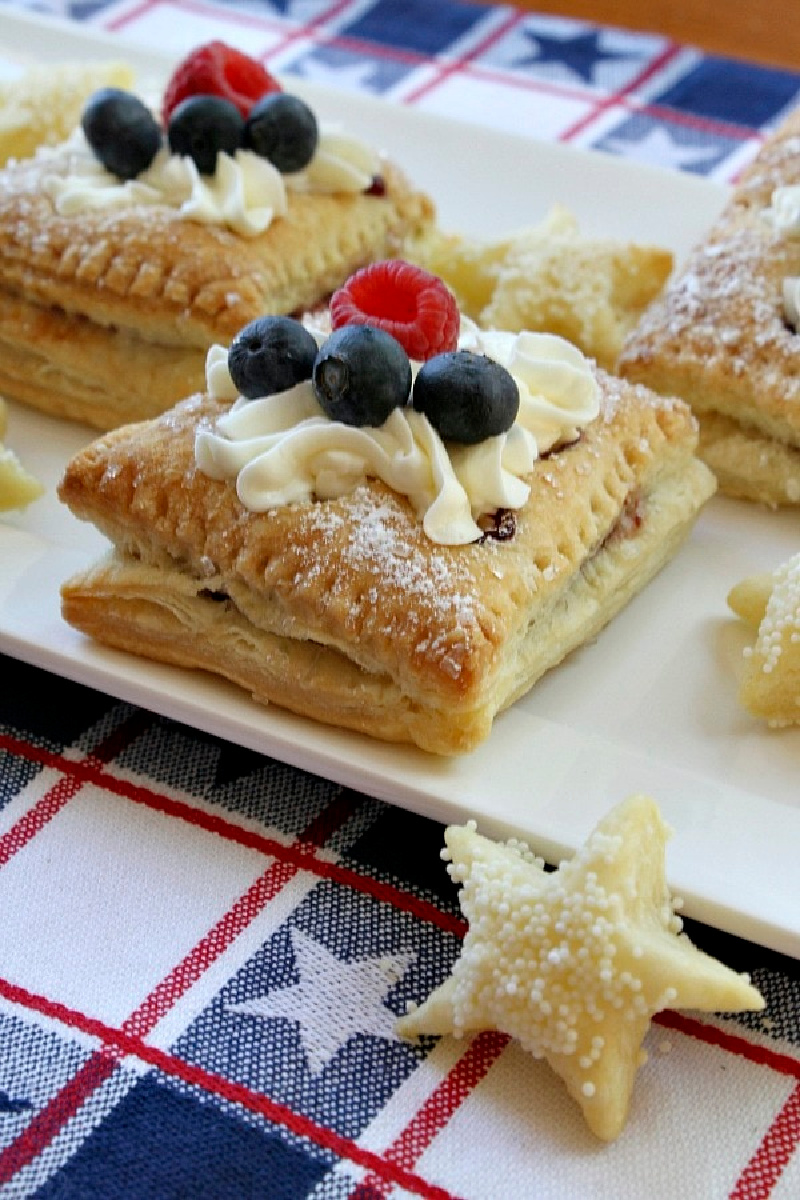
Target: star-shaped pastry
[
  {"x": 770, "y": 603},
  {"x": 574, "y": 963}
]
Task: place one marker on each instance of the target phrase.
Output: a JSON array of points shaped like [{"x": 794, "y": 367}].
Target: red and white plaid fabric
[{"x": 202, "y": 953}]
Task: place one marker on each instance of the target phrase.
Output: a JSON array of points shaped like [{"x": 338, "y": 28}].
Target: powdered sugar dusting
[
  {"x": 722, "y": 318},
  {"x": 381, "y": 544}
]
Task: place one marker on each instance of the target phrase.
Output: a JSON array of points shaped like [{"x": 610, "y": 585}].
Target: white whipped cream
[
  {"x": 785, "y": 210},
  {"x": 791, "y": 301},
  {"x": 283, "y": 448},
  {"x": 246, "y": 192}
]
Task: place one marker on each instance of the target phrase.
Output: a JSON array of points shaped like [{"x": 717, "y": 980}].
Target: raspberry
[
  {"x": 216, "y": 69},
  {"x": 411, "y": 304}
]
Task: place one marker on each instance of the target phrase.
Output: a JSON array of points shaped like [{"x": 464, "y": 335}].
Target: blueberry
[
  {"x": 466, "y": 396},
  {"x": 201, "y": 127},
  {"x": 361, "y": 374},
  {"x": 122, "y": 132},
  {"x": 271, "y": 354},
  {"x": 282, "y": 128}
]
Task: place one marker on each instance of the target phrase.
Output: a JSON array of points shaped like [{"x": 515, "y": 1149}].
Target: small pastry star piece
[
  {"x": 574, "y": 963},
  {"x": 770, "y": 604}
]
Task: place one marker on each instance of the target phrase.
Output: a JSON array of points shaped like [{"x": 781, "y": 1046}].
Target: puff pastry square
[
  {"x": 720, "y": 338},
  {"x": 343, "y": 610},
  {"x": 106, "y": 316}
]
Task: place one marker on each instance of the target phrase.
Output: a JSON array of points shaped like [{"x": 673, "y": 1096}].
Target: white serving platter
[{"x": 649, "y": 706}]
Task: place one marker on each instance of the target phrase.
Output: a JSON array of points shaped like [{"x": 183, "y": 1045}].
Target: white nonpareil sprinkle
[
  {"x": 781, "y": 622},
  {"x": 574, "y": 963}
]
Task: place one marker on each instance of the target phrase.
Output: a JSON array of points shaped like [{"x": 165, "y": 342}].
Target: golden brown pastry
[
  {"x": 724, "y": 335},
  {"x": 770, "y": 604},
  {"x": 552, "y": 277},
  {"x": 344, "y": 609},
  {"x": 43, "y": 105},
  {"x": 106, "y": 313},
  {"x": 579, "y": 980}
]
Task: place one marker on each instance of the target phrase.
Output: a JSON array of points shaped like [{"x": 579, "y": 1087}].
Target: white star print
[
  {"x": 333, "y": 1000},
  {"x": 659, "y": 150}
]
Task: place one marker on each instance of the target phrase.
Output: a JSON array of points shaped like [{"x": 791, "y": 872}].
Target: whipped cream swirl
[
  {"x": 246, "y": 192},
  {"x": 284, "y": 449},
  {"x": 791, "y": 301}
]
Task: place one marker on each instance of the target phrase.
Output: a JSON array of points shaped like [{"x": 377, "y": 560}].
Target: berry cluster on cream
[
  {"x": 228, "y": 148},
  {"x": 316, "y": 413}
]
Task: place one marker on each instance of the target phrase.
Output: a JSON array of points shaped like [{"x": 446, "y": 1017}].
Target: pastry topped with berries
[
  {"x": 382, "y": 517},
  {"x": 144, "y": 238}
]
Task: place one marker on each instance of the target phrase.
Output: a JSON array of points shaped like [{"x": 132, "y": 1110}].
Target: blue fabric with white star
[{"x": 640, "y": 96}]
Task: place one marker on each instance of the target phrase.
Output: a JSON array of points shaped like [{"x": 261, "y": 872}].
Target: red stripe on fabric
[
  {"x": 438, "y": 1109},
  {"x": 40, "y": 1132},
  {"x": 765, "y": 1168},
  {"x": 51, "y": 803},
  {"x": 98, "y": 1068},
  {"x": 510, "y": 81},
  {"x": 132, "y": 14},
  {"x": 734, "y": 1043},
  {"x": 166, "y": 993},
  {"x": 458, "y": 65},
  {"x": 616, "y": 98},
  {"x": 300, "y": 853},
  {"x": 245, "y": 19},
  {"x": 36, "y": 818}
]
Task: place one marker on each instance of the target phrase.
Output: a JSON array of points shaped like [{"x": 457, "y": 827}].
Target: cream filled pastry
[
  {"x": 390, "y": 523},
  {"x": 724, "y": 334},
  {"x": 119, "y": 267}
]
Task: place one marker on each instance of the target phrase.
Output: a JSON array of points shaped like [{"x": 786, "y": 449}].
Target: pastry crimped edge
[
  {"x": 717, "y": 336},
  {"x": 151, "y": 291},
  {"x": 343, "y": 610}
]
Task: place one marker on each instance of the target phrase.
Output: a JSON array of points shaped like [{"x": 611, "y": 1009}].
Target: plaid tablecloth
[{"x": 203, "y": 951}]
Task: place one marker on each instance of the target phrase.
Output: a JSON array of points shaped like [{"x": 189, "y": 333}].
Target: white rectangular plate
[{"x": 649, "y": 706}]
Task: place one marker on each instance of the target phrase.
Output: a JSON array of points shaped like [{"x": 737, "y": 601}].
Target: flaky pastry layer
[
  {"x": 718, "y": 337},
  {"x": 343, "y": 610},
  {"x": 105, "y": 317}
]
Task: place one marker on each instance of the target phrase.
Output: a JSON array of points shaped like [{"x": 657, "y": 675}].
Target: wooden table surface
[{"x": 764, "y": 31}]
